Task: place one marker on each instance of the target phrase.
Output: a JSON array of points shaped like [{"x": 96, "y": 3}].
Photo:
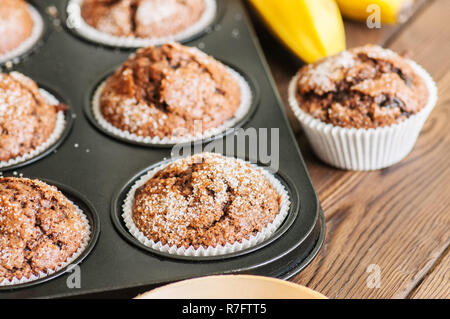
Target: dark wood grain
[
  {"x": 397, "y": 218},
  {"x": 437, "y": 282}
]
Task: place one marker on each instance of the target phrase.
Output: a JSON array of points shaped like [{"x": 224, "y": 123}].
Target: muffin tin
[{"x": 103, "y": 168}]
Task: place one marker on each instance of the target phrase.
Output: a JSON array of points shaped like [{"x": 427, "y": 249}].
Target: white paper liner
[
  {"x": 364, "y": 149},
  {"x": 27, "y": 44},
  {"x": 75, "y": 255},
  {"x": 253, "y": 240},
  {"x": 241, "y": 112},
  {"x": 92, "y": 34},
  {"x": 60, "y": 124}
]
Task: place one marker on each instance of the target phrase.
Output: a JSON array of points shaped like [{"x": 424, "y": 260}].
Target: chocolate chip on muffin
[
  {"x": 26, "y": 119},
  {"x": 16, "y": 24},
  {"x": 39, "y": 228},
  {"x": 166, "y": 91},
  {"x": 205, "y": 200},
  {"x": 365, "y": 87},
  {"x": 142, "y": 18}
]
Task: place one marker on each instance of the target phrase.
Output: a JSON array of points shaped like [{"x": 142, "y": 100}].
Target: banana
[
  {"x": 391, "y": 11},
  {"x": 311, "y": 29}
]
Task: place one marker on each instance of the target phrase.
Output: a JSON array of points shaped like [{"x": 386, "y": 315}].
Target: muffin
[
  {"x": 142, "y": 18},
  {"x": 40, "y": 229},
  {"x": 16, "y": 24},
  {"x": 366, "y": 87},
  {"x": 140, "y": 23},
  {"x": 205, "y": 201},
  {"x": 27, "y": 120},
  {"x": 170, "y": 92},
  {"x": 362, "y": 108}
]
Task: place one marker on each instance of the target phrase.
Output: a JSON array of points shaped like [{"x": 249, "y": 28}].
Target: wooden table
[{"x": 396, "y": 218}]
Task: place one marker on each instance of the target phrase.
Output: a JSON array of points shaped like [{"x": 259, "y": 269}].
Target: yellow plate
[{"x": 232, "y": 287}]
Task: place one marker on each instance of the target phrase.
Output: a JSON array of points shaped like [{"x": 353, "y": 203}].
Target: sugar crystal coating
[
  {"x": 364, "y": 87},
  {"x": 205, "y": 200},
  {"x": 39, "y": 228},
  {"x": 170, "y": 91},
  {"x": 16, "y": 24},
  {"x": 26, "y": 119},
  {"x": 142, "y": 18}
]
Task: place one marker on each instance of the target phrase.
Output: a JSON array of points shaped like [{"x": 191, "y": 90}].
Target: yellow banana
[
  {"x": 391, "y": 11},
  {"x": 312, "y": 29}
]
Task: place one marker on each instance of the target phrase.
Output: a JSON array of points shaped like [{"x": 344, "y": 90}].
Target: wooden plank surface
[
  {"x": 398, "y": 218},
  {"x": 437, "y": 283}
]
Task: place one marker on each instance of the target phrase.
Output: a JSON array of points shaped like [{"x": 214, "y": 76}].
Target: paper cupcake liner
[
  {"x": 92, "y": 34},
  {"x": 241, "y": 112},
  {"x": 253, "y": 240},
  {"x": 75, "y": 255},
  {"x": 26, "y": 45},
  {"x": 60, "y": 124},
  {"x": 364, "y": 149}
]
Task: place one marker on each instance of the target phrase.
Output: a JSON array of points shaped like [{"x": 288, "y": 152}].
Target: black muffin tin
[{"x": 96, "y": 170}]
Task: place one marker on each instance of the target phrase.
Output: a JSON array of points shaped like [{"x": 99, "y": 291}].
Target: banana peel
[
  {"x": 391, "y": 11},
  {"x": 311, "y": 29}
]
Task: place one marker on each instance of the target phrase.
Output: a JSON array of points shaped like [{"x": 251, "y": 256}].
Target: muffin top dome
[
  {"x": 26, "y": 119},
  {"x": 39, "y": 228},
  {"x": 142, "y": 18},
  {"x": 166, "y": 91},
  {"x": 365, "y": 87},
  {"x": 205, "y": 200},
  {"x": 16, "y": 24}
]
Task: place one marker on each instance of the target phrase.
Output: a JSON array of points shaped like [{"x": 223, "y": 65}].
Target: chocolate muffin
[
  {"x": 166, "y": 91},
  {"x": 205, "y": 200},
  {"x": 142, "y": 18},
  {"x": 365, "y": 87},
  {"x": 16, "y": 24},
  {"x": 26, "y": 119},
  {"x": 39, "y": 228}
]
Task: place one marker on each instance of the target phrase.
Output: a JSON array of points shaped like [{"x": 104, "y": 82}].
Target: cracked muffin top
[
  {"x": 16, "y": 24},
  {"x": 142, "y": 18},
  {"x": 26, "y": 119},
  {"x": 39, "y": 228},
  {"x": 170, "y": 91},
  {"x": 365, "y": 87},
  {"x": 205, "y": 200}
]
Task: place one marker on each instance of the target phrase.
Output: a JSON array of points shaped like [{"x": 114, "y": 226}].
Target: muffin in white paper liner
[
  {"x": 92, "y": 34},
  {"x": 75, "y": 255},
  {"x": 241, "y": 112},
  {"x": 28, "y": 43},
  {"x": 253, "y": 240},
  {"x": 364, "y": 149},
  {"x": 60, "y": 124}
]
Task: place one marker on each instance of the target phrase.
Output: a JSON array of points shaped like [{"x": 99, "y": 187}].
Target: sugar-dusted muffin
[
  {"x": 363, "y": 108},
  {"x": 365, "y": 87},
  {"x": 170, "y": 91},
  {"x": 142, "y": 18},
  {"x": 26, "y": 119},
  {"x": 16, "y": 24},
  {"x": 205, "y": 200},
  {"x": 39, "y": 228}
]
